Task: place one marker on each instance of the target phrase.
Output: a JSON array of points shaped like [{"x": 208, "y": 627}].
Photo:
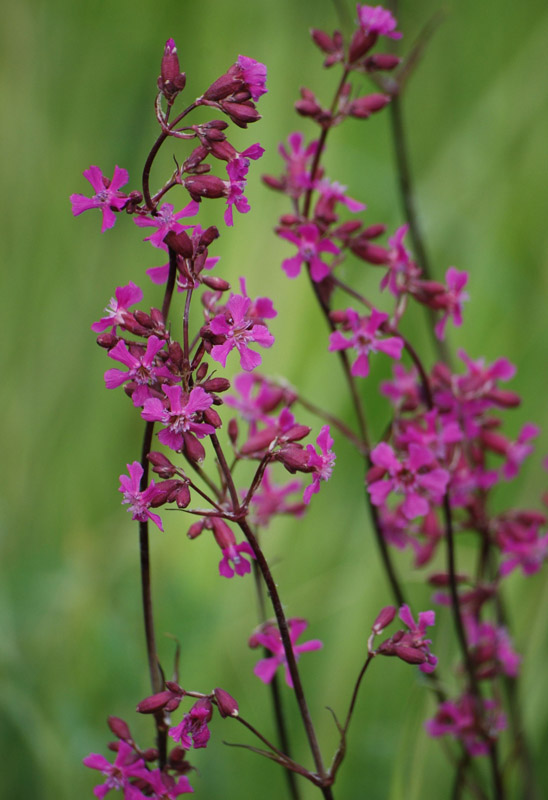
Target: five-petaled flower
[
  {"x": 192, "y": 731},
  {"x": 268, "y": 636},
  {"x": 107, "y": 196},
  {"x": 125, "y": 296},
  {"x": 239, "y": 330},
  {"x": 310, "y": 244},
  {"x": 180, "y": 416},
  {"x": 141, "y": 369},
  {"x": 139, "y": 501},
  {"x": 126, "y": 765},
  {"x": 166, "y": 221},
  {"x": 232, "y": 561},
  {"x": 321, "y": 463},
  {"x": 365, "y": 338}
]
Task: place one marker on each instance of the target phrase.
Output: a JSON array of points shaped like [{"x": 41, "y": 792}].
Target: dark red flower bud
[
  {"x": 223, "y": 150},
  {"x": 107, "y": 340},
  {"x": 154, "y": 703},
  {"x": 195, "y": 158},
  {"x": 181, "y": 243},
  {"x": 195, "y": 529},
  {"x": 294, "y": 458},
  {"x": 182, "y": 497},
  {"x": 233, "y": 431},
  {"x": 375, "y": 474},
  {"x": 227, "y": 705},
  {"x": 163, "y": 492},
  {"x": 373, "y": 231},
  {"x": 205, "y": 186},
  {"x": 360, "y": 44},
  {"x": 372, "y": 253},
  {"x": 211, "y": 416},
  {"x": 119, "y": 728},
  {"x": 161, "y": 465},
  {"x": 209, "y": 236},
  {"x": 151, "y": 754},
  {"x": 363, "y": 107},
  {"x": 259, "y": 441},
  {"x": 381, "y": 61},
  {"x": 224, "y": 86},
  {"x": 193, "y": 448},
  {"x": 241, "y": 113},
  {"x": 323, "y": 40},
  {"x": 410, "y": 654},
  {"x": 216, "y": 385},
  {"x": 201, "y": 373},
  {"x": 171, "y": 80},
  {"x": 504, "y": 398},
  {"x": 384, "y": 618},
  {"x": 215, "y": 283}
]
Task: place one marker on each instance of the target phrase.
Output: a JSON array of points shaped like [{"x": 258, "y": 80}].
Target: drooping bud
[
  {"x": 360, "y": 44},
  {"x": 161, "y": 465},
  {"x": 216, "y": 385},
  {"x": 381, "y": 61},
  {"x": 216, "y": 283},
  {"x": 227, "y": 705}
]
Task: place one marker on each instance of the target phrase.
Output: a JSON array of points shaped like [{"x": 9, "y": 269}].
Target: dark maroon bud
[
  {"x": 372, "y": 253},
  {"x": 171, "y": 80},
  {"x": 205, "y": 186},
  {"x": 175, "y": 352},
  {"x": 119, "y": 728},
  {"x": 347, "y": 228},
  {"x": 375, "y": 474},
  {"x": 216, "y": 385},
  {"x": 444, "y": 579},
  {"x": 200, "y": 375},
  {"x": 157, "y": 316},
  {"x": 362, "y": 107},
  {"x": 384, "y": 618},
  {"x": 259, "y": 441},
  {"x": 289, "y": 219},
  {"x": 134, "y": 199},
  {"x": 200, "y": 262},
  {"x": 383, "y": 61},
  {"x": 200, "y": 353},
  {"x": 216, "y": 283},
  {"x": 132, "y": 326},
  {"x": 181, "y": 243},
  {"x": 241, "y": 97},
  {"x": 222, "y": 533},
  {"x": 273, "y": 183},
  {"x": 223, "y": 150},
  {"x": 296, "y": 433},
  {"x": 504, "y": 398},
  {"x": 227, "y": 705},
  {"x": 195, "y": 529},
  {"x": 174, "y": 687},
  {"x": 323, "y": 40},
  {"x": 162, "y": 492},
  {"x": 241, "y": 113},
  {"x": 294, "y": 458},
  {"x": 216, "y": 124},
  {"x": 194, "y": 450},
  {"x": 107, "y": 340},
  {"x": 211, "y": 416},
  {"x": 182, "y": 497},
  {"x": 195, "y": 158},
  {"x": 308, "y": 108},
  {"x": 214, "y": 135},
  {"x": 161, "y": 465},
  {"x": 233, "y": 431},
  {"x": 410, "y": 654},
  {"x": 495, "y": 442},
  {"x": 372, "y": 231},
  {"x": 209, "y": 236},
  {"x": 144, "y": 319},
  {"x": 154, "y": 703},
  {"x": 224, "y": 86},
  {"x": 360, "y": 44},
  {"x": 338, "y": 316},
  {"x": 151, "y": 754}
]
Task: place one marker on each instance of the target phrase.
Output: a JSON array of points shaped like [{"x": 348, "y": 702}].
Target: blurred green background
[{"x": 77, "y": 88}]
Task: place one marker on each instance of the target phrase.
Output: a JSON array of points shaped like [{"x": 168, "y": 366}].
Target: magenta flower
[
  {"x": 232, "y": 561},
  {"x": 269, "y": 638},
  {"x": 180, "y": 416},
  {"x": 192, "y": 731},
  {"x": 271, "y": 499},
  {"x": 298, "y": 161},
  {"x": 310, "y": 244},
  {"x": 141, "y": 370},
  {"x": 451, "y": 300},
  {"x": 239, "y": 331},
  {"x": 237, "y": 170},
  {"x": 125, "y": 296},
  {"x": 402, "y": 271},
  {"x": 517, "y": 451},
  {"x": 322, "y": 463},
  {"x": 331, "y": 193},
  {"x": 107, "y": 196},
  {"x": 461, "y": 720},
  {"x": 253, "y": 75},
  {"x": 418, "y": 477},
  {"x": 365, "y": 338},
  {"x": 411, "y": 646},
  {"x": 377, "y": 20},
  {"x": 139, "y": 502},
  {"x": 126, "y": 765},
  {"x": 166, "y": 221},
  {"x": 256, "y": 397},
  {"x": 164, "y": 786},
  {"x": 491, "y": 649}
]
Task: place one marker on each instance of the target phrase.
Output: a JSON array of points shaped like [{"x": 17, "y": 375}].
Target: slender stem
[
  {"x": 339, "y": 755},
  {"x": 172, "y": 275},
  {"x": 226, "y": 472}
]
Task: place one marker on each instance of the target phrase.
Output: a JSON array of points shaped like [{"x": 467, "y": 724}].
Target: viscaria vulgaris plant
[{"x": 427, "y": 479}]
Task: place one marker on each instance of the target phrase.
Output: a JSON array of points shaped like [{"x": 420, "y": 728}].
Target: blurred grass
[{"x": 77, "y": 85}]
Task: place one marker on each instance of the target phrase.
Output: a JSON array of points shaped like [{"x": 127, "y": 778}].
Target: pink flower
[
  {"x": 180, "y": 417},
  {"x": 518, "y": 451},
  {"x": 298, "y": 160},
  {"x": 232, "y": 560},
  {"x": 310, "y": 245},
  {"x": 239, "y": 331},
  {"x": 256, "y": 397},
  {"x": 402, "y": 271},
  {"x": 269, "y": 638},
  {"x": 270, "y": 499},
  {"x": 377, "y": 20},
  {"x": 322, "y": 463},
  {"x": 126, "y": 765},
  {"x": 164, "y": 786},
  {"x": 125, "y": 296},
  {"x": 253, "y": 75},
  {"x": 365, "y": 338},
  {"x": 411, "y": 646},
  {"x": 141, "y": 369},
  {"x": 461, "y": 720},
  {"x": 166, "y": 221},
  {"x": 107, "y": 196},
  {"x": 192, "y": 731},
  {"x": 139, "y": 502},
  {"x": 451, "y": 300},
  {"x": 237, "y": 169},
  {"x": 331, "y": 193},
  {"x": 418, "y": 477}
]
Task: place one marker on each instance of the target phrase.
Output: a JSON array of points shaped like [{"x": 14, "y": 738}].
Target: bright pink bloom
[
  {"x": 310, "y": 245},
  {"x": 164, "y": 786},
  {"x": 269, "y": 638},
  {"x": 239, "y": 329},
  {"x": 331, "y": 193},
  {"x": 127, "y": 765},
  {"x": 256, "y": 398},
  {"x": 411, "y": 646},
  {"x": 139, "y": 502},
  {"x": 237, "y": 170},
  {"x": 192, "y": 731},
  {"x": 321, "y": 462},
  {"x": 180, "y": 416},
  {"x": 126, "y": 296},
  {"x": 166, "y": 221},
  {"x": 491, "y": 649},
  {"x": 377, "y": 20},
  {"x": 518, "y": 536},
  {"x": 365, "y": 338},
  {"x": 141, "y": 369},
  {"x": 451, "y": 301},
  {"x": 270, "y": 499},
  {"x": 418, "y": 477},
  {"x": 403, "y": 390},
  {"x": 298, "y": 159},
  {"x": 232, "y": 560},
  {"x": 460, "y": 719},
  {"x": 402, "y": 271},
  {"x": 107, "y": 195},
  {"x": 253, "y": 75}
]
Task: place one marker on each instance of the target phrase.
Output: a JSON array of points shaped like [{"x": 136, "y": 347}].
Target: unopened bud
[
  {"x": 216, "y": 385},
  {"x": 381, "y": 61},
  {"x": 360, "y": 44},
  {"x": 161, "y": 465},
  {"x": 233, "y": 431},
  {"x": 181, "y": 243},
  {"x": 205, "y": 186},
  {"x": 209, "y": 236},
  {"x": 211, "y": 416},
  {"x": 384, "y": 618},
  {"x": 216, "y": 283},
  {"x": 119, "y": 728},
  {"x": 194, "y": 450},
  {"x": 241, "y": 113},
  {"x": 227, "y": 705},
  {"x": 363, "y": 107}
]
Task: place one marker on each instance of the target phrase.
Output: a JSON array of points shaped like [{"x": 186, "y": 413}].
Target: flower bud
[
  {"x": 360, "y": 44},
  {"x": 209, "y": 236},
  {"x": 381, "y": 61},
  {"x": 227, "y": 705},
  {"x": 211, "y": 416},
  {"x": 241, "y": 113},
  {"x": 194, "y": 450},
  {"x": 154, "y": 703},
  {"x": 182, "y": 498},
  {"x": 384, "y": 618},
  {"x": 181, "y": 243},
  {"x": 171, "y": 80},
  {"x": 363, "y": 107},
  {"x": 216, "y": 385},
  {"x": 119, "y": 728},
  {"x": 233, "y": 431},
  {"x": 216, "y": 283},
  {"x": 205, "y": 186}
]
